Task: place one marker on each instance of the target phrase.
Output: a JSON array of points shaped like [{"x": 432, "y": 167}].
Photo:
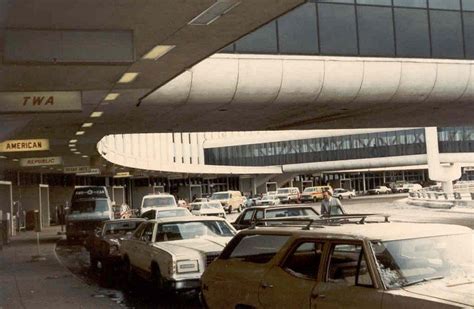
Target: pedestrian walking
[{"x": 331, "y": 206}]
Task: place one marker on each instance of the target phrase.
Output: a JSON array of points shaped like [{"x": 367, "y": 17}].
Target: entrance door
[
  {"x": 6, "y": 202},
  {"x": 44, "y": 205},
  {"x": 196, "y": 191},
  {"x": 118, "y": 195},
  {"x": 272, "y": 186},
  {"x": 158, "y": 189}
]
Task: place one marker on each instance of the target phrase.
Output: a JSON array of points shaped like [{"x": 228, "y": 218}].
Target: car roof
[
  {"x": 167, "y": 208},
  {"x": 279, "y": 207},
  {"x": 125, "y": 220},
  {"x": 186, "y": 219},
  {"x": 370, "y": 231},
  {"x": 157, "y": 195}
]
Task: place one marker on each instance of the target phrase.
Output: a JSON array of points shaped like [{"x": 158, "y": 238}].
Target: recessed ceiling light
[
  {"x": 158, "y": 51},
  {"x": 15, "y": 160},
  {"x": 85, "y": 156},
  {"x": 111, "y": 96},
  {"x": 73, "y": 149},
  {"x": 77, "y": 152},
  {"x": 80, "y": 132},
  {"x": 128, "y": 77},
  {"x": 87, "y": 125},
  {"x": 3, "y": 157},
  {"x": 215, "y": 11},
  {"x": 72, "y": 145},
  {"x": 72, "y": 141},
  {"x": 96, "y": 114}
]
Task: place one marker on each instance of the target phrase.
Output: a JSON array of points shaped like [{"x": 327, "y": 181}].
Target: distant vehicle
[
  {"x": 288, "y": 195},
  {"x": 405, "y": 187},
  {"x": 269, "y": 200},
  {"x": 157, "y": 200},
  {"x": 314, "y": 194},
  {"x": 174, "y": 252},
  {"x": 380, "y": 190},
  {"x": 371, "y": 265},
  {"x": 230, "y": 200},
  {"x": 250, "y": 215},
  {"x": 90, "y": 206},
  {"x": 165, "y": 212},
  {"x": 341, "y": 193},
  {"x": 200, "y": 199},
  {"x": 212, "y": 208},
  {"x": 104, "y": 244},
  {"x": 271, "y": 193}
]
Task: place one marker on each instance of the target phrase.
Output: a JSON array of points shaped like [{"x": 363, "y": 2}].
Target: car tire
[
  {"x": 128, "y": 272},
  {"x": 156, "y": 276},
  {"x": 93, "y": 261},
  {"x": 229, "y": 211},
  {"x": 350, "y": 196},
  {"x": 106, "y": 273}
]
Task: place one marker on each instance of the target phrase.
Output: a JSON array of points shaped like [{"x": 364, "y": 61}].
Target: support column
[{"x": 363, "y": 183}]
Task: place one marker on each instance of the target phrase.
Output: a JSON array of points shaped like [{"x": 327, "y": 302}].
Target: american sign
[
  {"x": 37, "y": 102},
  {"x": 24, "y": 145},
  {"x": 41, "y": 161}
]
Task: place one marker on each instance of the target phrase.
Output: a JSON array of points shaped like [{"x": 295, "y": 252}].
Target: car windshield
[
  {"x": 220, "y": 196},
  {"x": 162, "y": 201},
  {"x": 212, "y": 205},
  {"x": 283, "y": 191},
  {"x": 120, "y": 228},
  {"x": 196, "y": 206},
  {"x": 193, "y": 230},
  {"x": 411, "y": 261},
  {"x": 291, "y": 212},
  {"x": 178, "y": 212},
  {"x": 99, "y": 205},
  {"x": 309, "y": 189}
]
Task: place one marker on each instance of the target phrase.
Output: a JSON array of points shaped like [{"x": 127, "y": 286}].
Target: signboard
[
  {"x": 92, "y": 171},
  {"x": 89, "y": 192},
  {"x": 122, "y": 174},
  {"x": 22, "y": 145},
  {"x": 40, "y": 102},
  {"x": 41, "y": 161},
  {"x": 76, "y": 169}
]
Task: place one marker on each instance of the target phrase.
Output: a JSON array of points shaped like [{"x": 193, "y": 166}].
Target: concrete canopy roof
[{"x": 163, "y": 22}]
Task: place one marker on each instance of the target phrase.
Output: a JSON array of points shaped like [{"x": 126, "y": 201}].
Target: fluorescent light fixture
[
  {"x": 72, "y": 141},
  {"x": 96, "y": 114},
  {"x": 87, "y": 124},
  {"x": 3, "y": 157},
  {"x": 15, "y": 160},
  {"x": 213, "y": 13},
  {"x": 111, "y": 96},
  {"x": 85, "y": 156},
  {"x": 80, "y": 132},
  {"x": 77, "y": 152},
  {"x": 72, "y": 145},
  {"x": 128, "y": 77},
  {"x": 158, "y": 51},
  {"x": 73, "y": 149}
]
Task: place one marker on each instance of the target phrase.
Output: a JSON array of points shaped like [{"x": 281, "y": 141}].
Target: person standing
[{"x": 330, "y": 205}]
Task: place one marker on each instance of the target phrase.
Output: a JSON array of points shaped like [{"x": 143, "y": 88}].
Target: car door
[
  {"x": 348, "y": 281},
  {"x": 130, "y": 245},
  {"x": 244, "y": 220},
  {"x": 293, "y": 280},
  {"x": 143, "y": 248}
]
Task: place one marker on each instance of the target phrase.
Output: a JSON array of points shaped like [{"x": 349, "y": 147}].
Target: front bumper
[
  {"x": 305, "y": 198},
  {"x": 187, "y": 284}
]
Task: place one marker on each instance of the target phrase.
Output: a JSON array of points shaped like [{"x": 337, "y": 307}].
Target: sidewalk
[{"x": 41, "y": 284}]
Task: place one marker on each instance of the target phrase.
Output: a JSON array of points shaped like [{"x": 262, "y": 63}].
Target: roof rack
[{"x": 324, "y": 220}]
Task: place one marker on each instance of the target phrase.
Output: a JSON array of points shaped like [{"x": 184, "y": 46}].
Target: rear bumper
[{"x": 188, "y": 284}]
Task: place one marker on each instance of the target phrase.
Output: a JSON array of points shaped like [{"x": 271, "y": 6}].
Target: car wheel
[
  {"x": 229, "y": 210},
  {"x": 350, "y": 196},
  {"x": 106, "y": 273},
  {"x": 128, "y": 271},
  {"x": 156, "y": 276},
  {"x": 93, "y": 261}
]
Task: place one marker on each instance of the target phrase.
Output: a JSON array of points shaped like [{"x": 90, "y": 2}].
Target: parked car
[
  {"x": 200, "y": 200},
  {"x": 165, "y": 212},
  {"x": 230, "y": 200},
  {"x": 341, "y": 193},
  {"x": 380, "y": 190},
  {"x": 314, "y": 194},
  {"x": 372, "y": 265},
  {"x": 104, "y": 244},
  {"x": 208, "y": 209},
  {"x": 269, "y": 200},
  {"x": 174, "y": 252},
  {"x": 157, "y": 200},
  {"x": 288, "y": 195},
  {"x": 250, "y": 215}
]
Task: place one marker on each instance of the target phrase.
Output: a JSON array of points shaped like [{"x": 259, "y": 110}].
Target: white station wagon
[
  {"x": 174, "y": 252},
  {"x": 344, "y": 265}
]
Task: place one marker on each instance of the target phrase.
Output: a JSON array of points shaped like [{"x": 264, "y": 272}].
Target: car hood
[
  {"x": 202, "y": 245},
  {"x": 456, "y": 291}
]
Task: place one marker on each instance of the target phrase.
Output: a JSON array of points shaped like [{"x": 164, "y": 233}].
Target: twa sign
[{"x": 27, "y": 102}]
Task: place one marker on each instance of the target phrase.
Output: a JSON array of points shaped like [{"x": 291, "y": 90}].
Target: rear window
[
  {"x": 159, "y": 202},
  {"x": 283, "y": 191},
  {"x": 291, "y": 212},
  {"x": 256, "y": 248},
  {"x": 78, "y": 207}
]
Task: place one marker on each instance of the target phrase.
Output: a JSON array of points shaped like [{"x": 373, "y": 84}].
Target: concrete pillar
[
  {"x": 445, "y": 172},
  {"x": 383, "y": 175},
  {"x": 254, "y": 185},
  {"x": 363, "y": 183}
]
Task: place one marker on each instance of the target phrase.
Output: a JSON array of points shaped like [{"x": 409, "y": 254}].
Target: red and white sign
[{"x": 41, "y": 161}]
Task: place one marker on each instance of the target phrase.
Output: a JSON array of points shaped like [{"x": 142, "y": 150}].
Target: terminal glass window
[
  {"x": 412, "y": 33},
  {"x": 468, "y": 18},
  {"x": 446, "y": 34},
  {"x": 263, "y": 40},
  {"x": 375, "y": 31}
]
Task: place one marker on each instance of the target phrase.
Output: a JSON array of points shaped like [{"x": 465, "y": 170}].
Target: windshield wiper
[{"x": 423, "y": 280}]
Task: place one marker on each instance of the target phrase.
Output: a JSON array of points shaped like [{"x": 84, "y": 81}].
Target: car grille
[{"x": 211, "y": 256}]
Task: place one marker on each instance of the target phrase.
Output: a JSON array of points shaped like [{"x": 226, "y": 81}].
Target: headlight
[
  {"x": 189, "y": 266},
  {"x": 114, "y": 250}
]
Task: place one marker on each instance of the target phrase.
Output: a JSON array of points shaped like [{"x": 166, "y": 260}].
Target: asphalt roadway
[{"x": 142, "y": 295}]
